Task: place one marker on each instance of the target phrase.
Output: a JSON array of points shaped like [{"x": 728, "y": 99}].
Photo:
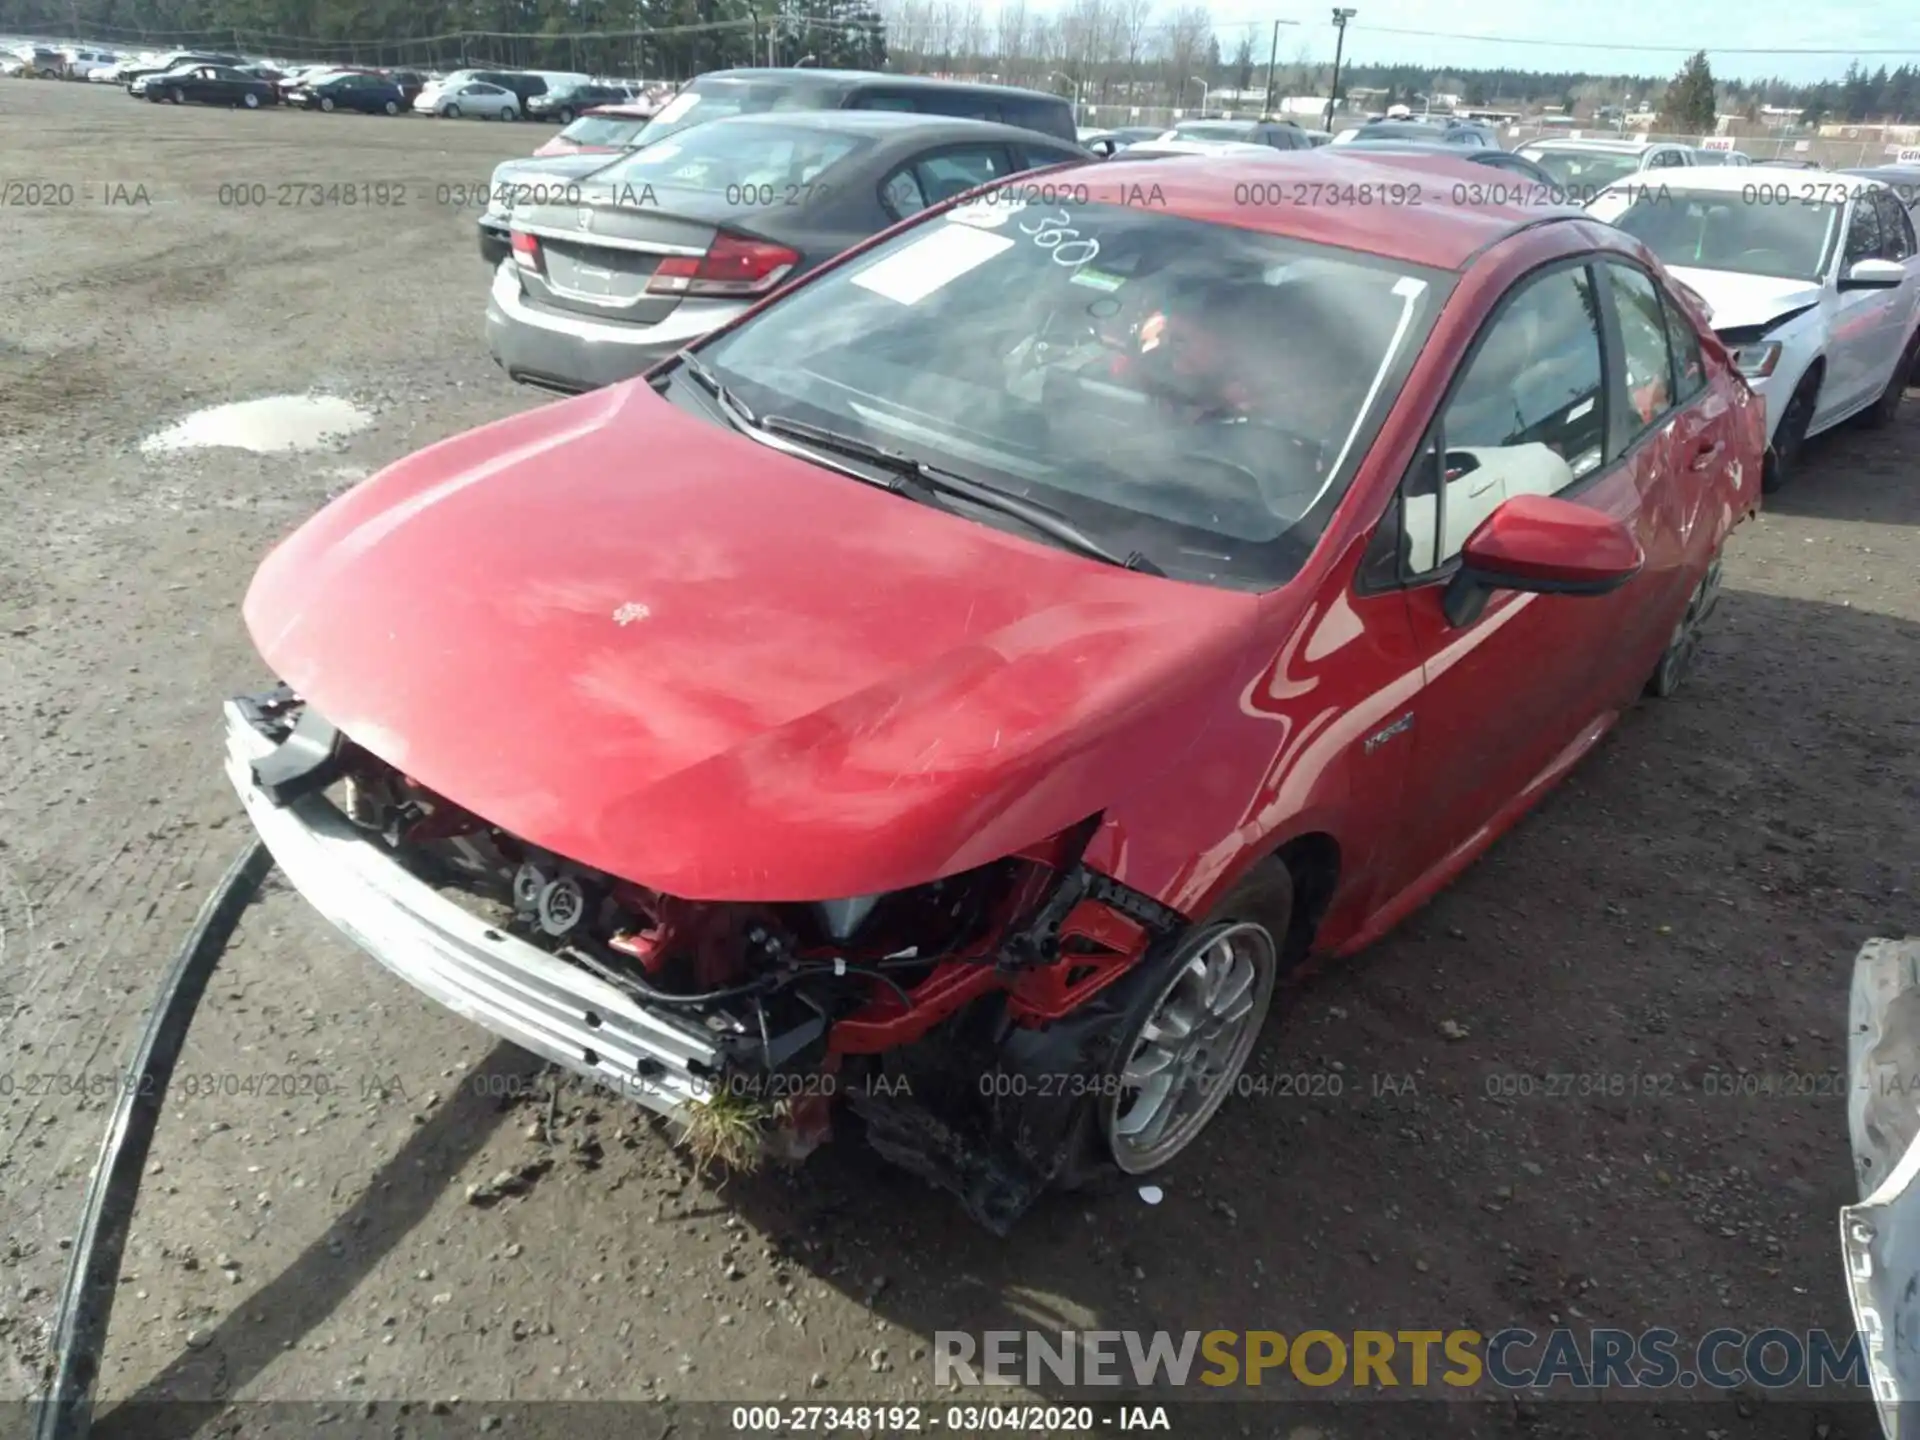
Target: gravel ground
[{"x": 1687, "y": 906}]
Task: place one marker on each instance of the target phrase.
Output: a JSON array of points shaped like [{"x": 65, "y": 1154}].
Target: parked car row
[{"x": 1818, "y": 303}]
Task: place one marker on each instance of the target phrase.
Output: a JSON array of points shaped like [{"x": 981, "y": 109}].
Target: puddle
[{"x": 271, "y": 426}]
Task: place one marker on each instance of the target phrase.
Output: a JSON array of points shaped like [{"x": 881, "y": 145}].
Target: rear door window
[
  {"x": 1047, "y": 117},
  {"x": 1896, "y": 230},
  {"x": 942, "y": 175},
  {"x": 1645, "y": 357}
]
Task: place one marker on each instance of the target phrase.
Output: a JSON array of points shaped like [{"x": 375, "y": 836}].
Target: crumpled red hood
[{"x": 668, "y": 652}]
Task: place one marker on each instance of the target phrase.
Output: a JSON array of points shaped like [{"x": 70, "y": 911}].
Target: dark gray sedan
[{"x": 666, "y": 243}]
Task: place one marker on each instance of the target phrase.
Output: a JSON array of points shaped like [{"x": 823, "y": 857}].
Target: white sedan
[
  {"x": 1813, "y": 280},
  {"x": 476, "y": 98}
]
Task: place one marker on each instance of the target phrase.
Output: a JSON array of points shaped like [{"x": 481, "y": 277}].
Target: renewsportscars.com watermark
[{"x": 1406, "y": 1361}]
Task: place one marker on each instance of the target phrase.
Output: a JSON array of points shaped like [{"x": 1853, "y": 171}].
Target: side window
[
  {"x": 902, "y": 194},
  {"x": 1527, "y": 417},
  {"x": 1896, "y": 231},
  {"x": 957, "y": 104},
  {"x": 1863, "y": 231},
  {"x": 943, "y": 175},
  {"x": 1644, "y": 349},
  {"x": 1034, "y": 115},
  {"x": 884, "y": 100},
  {"x": 1689, "y": 370}
]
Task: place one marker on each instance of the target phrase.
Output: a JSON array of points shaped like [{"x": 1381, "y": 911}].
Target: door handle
[{"x": 1704, "y": 457}]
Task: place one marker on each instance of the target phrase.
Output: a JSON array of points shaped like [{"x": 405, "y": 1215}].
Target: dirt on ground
[{"x": 357, "y": 1201}]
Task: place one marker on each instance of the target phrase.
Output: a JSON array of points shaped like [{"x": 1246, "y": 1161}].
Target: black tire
[
  {"x": 508, "y": 116},
  {"x": 250, "y": 100},
  {"x": 564, "y": 115},
  {"x": 178, "y": 96},
  {"x": 452, "y": 112},
  {"x": 326, "y": 103},
  {"x": 1677, "y": 659},
  {"x": 1886, "y": 409},
  {"x": 1790, "y": 437},
  {"x": 391, "y": 108}
]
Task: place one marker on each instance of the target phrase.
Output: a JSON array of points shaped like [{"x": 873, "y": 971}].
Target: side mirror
[
  {"x": 1874, "y": 275},
  {"x": 1546, "y": 546}
]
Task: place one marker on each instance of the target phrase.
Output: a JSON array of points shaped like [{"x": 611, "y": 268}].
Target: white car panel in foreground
[{"x": 1811, "y": 277}]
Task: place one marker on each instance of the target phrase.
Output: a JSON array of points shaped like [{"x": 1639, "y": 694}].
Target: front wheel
[
  {"x": 451, "y": 112},
  {"x": 252, "y": 102},
  {"x": 326, "y": 103},
  {"x": 1188, "y": 1045},
  {"x": 391, "y": 108},
  {"x": 564, "y": 116},
  {"x": 179, "y": 96},
  {"x": 508, "y": 115},
  {"x": 1790, "y": 436}
]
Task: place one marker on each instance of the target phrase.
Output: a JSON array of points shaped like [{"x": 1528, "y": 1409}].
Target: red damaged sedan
[{"x": 950, "y": 699}]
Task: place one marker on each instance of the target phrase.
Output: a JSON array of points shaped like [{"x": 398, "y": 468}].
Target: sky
[{"x": 1564, "y": 36}]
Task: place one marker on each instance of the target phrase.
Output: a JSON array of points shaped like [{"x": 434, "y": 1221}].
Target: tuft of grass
[{"x": 723, "y": 1133}]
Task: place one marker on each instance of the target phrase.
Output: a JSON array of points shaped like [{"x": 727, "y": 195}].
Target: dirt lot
[{"x": 1687, "y": 906}]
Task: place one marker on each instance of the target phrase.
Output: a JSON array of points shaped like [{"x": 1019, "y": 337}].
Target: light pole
[
  {"x": 1273, "y": 57},
  {"x": 1205, "y": 90},
  {"x": 1340, "y": 18},
  {"x": 1073, "y": 84}
]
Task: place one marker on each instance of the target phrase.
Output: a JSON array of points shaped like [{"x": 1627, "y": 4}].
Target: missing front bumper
[{"x": 514, "y": 989}]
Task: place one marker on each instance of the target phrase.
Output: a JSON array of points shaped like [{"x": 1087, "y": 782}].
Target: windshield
[
  {"x": 1212, "y": 130},
  {"x": 1199, "y": 393},
  {"x": 1584, "y": 172},
  {"x": 730, "y": 158},
  {"x": 1742, "y": 231},
  {"x": 715, "y": 98},
  {"x": 612, "y": 131}
]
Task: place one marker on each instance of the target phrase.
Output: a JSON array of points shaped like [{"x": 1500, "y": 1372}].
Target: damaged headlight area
[{"x": 966, "y": 1026}]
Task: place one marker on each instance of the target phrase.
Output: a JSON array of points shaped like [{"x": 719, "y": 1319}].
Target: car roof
[
  {"x": 1891, "y": 174},
  {"x": 1729, "y": 177},
  {"x": 1398, "y": 145},
  {"x": 1448, "y": 236},
  {"x": 851, "y": 78},
  {"x": 1614, "y": 147},
  {"x": 1147, "y": 149},
  {"x": 906, "y": 125}
]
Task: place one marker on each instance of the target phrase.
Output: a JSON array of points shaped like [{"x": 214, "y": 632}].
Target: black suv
[{"x": 564, "y": 105}]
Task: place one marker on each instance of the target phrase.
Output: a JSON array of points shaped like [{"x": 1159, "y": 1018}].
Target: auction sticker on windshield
[{"x": 908, "y": 276}]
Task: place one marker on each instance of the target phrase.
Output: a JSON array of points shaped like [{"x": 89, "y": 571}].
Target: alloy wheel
[{"x": 1187, "y": 1054}]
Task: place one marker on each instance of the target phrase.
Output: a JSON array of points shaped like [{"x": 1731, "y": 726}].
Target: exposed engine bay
[{"x": 965, "y": 1027}]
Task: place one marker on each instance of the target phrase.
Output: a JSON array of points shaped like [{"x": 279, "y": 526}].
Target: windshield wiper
[
  {"x": 919, "y": 474},
  {"x": 730, "y": 405}
]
